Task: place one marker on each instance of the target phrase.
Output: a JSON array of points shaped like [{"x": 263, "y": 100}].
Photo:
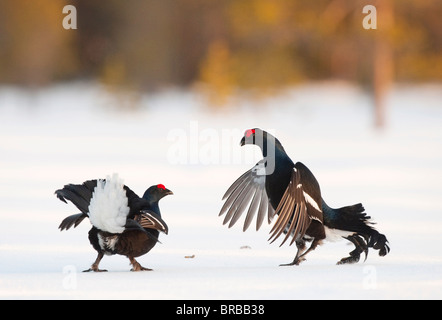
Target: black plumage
[
  {"x": 139, "y": 232},
  {"x": 276, "y": 186}
]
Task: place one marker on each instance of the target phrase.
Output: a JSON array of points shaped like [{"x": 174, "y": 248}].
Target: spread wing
[
  {"x": 300, "y": 204},
  {"x": 248, "y": 191}
]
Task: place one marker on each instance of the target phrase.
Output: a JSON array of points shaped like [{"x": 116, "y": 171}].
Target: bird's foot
[
  {"x": 137, "y": 266},
  {"x": 95, "y": 269},
  {"x": 141, "y": 269},
  {"x": 94, "y": 266},
  {"x": 295, "y": 262},
  {"x": 349, "y": 260}
]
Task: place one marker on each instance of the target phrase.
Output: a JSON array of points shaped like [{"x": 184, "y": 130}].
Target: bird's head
[
  {"x": 257, "y": 137},
  {"x": 252, "y": 136},
  {"x": 156, "y": 192},
  {"x": 266, "y": 142}
]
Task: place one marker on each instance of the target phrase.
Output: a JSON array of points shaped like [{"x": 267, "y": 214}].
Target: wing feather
[
  {"x": 247, "y": 194},
  {"x": 294, "y": 215},
  {"x": 294, "y": 224},
  {"x": 235, "y": 193},
  {"x": 271, "y": 212},
  {"x": 235, "y": 185},
  {"x": 254, "y": 206},
  {"x": 238, "y": 200},
  {"x": 300, "y": 203},
  {"x": 250, "y": 191},
  {"x": 150, "y": 220},
  {"x": 263, "y": 205},
  {"x": 286, "y": 214},
  {"x": 281, "y": 209}
]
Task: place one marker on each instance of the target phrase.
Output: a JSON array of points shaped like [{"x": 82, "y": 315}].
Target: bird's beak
[
  {"x": 168, "y": 192},
  {"x": 243, "y": 141}
]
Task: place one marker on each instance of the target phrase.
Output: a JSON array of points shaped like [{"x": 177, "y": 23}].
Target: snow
[{"x": 74, "y": 132}]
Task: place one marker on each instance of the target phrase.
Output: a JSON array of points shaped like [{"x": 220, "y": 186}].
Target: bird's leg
[
  {"x": 361, "y": 246},
  {"x": 137, "y": 266},
  {"x": 94, "y": 266},
  {"x": 300, "y": 244},
  {"x": 315, "y": 243}
]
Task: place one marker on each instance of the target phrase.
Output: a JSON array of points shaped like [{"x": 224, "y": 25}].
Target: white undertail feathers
[{"x": 109, "y": 208}]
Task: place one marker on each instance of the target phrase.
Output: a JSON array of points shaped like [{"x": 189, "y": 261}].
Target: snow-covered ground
[{"x": 71, "y": 133}]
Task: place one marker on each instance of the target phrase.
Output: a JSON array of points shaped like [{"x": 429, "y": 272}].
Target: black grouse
[
  {"x": 122, "y": 222},
  {"x": 277, "y": 186}
]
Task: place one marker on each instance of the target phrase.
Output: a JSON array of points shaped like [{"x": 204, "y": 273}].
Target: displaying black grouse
[
  {"x": 122, "y": 222},
  {"x": 277, "y": 186}
]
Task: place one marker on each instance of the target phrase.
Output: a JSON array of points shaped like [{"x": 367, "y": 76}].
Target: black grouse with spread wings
[{"x": 277, "y": 186}]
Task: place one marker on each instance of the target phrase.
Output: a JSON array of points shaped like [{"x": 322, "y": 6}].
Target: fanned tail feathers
[
  {"x": 79, "y": 194},
  {"x": 104, "y": 201},
  {"x": 73, "y": 220},
  {"x": 355, "y": 219}
]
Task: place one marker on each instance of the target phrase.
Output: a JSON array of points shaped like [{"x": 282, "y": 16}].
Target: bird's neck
[
  {"x": 268, "y": 148},
  {"x": 278, "y": 179},
  {"x": 155, "y": 208},
  {"x": 153, "y": 204},
  {"x": 273, "y": 151}
]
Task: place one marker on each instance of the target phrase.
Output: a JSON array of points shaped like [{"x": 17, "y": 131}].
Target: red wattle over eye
[
  {"x": 161, "y": 186},
  {"x": 250, "y": 132}
]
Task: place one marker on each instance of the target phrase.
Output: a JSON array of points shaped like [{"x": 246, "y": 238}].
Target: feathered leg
[
  {"x": 379, "y": 242},
  {"x": 301, "y": 247},
  {"x": 315, "y": 243},
  {"x": 94, "y": 266},
  {"x": 361, "y": 246},
  {"x": 300, "y": 244}
]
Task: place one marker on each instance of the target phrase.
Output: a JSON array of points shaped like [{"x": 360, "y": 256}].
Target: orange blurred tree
[
  {"x": 226, "y": 44},
  {"x": 34, "y": 48}
]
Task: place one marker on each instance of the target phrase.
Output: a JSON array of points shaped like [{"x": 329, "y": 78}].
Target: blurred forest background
[{"x": 221, "y": 46}]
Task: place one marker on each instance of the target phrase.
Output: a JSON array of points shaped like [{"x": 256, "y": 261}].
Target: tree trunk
[{"x": 383, "y": 66}]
